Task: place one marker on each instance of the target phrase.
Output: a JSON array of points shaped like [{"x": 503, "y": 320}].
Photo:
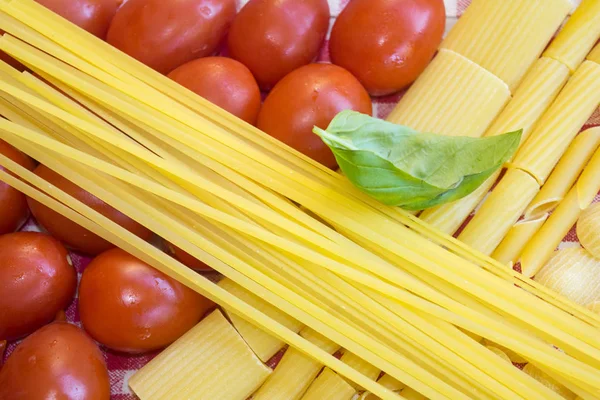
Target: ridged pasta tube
[
  {"x": 509, "y": 250},
  {"x": 329, "y": 386},
  {"x": 588, "y": 229}
]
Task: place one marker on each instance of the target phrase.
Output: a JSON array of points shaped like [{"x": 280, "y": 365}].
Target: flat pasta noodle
[
  {"x": 506, "y": 36},
  {"x": 574, "y": 273},
  {"x": 588, "y": 229},
  {"x": 499, "y": 353},
  {"x": 360, "y": 365},
  {"x": 202, "y": 364},
  {"x": 509, "y": 250},
  {"x": 565, "y": 173},
  {"x": 452, "y": 79},
  {"x": 535, "y": 372},
  {"x": 500, "y": 211},
  {"x": 578, "y": 36}
]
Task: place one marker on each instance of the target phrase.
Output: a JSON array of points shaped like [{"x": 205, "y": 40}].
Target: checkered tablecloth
[{"x": 121, "y": 366}]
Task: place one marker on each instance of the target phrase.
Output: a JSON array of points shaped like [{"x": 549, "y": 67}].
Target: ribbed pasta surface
[{"x": 329, "y": 386}]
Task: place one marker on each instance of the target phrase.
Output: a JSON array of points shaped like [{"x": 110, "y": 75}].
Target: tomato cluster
[{"x": 377, "y": 47}]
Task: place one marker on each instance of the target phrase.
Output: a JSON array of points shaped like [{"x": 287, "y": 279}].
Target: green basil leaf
[{"x": 399, "y": 166}]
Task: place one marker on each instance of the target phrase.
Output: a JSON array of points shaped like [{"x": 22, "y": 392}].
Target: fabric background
[{"x": 121, "y": 366}]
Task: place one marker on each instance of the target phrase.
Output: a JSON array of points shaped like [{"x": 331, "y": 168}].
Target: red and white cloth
[{"x": 120, "y": 366}]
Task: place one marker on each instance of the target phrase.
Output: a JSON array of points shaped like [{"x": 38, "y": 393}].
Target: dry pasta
[
  {"x": 329, "y": 386},
  {"x": 509, "y": 250},
  {"x": 588, "y": 229}
]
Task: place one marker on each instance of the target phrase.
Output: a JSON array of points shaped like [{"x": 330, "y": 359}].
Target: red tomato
[
  {"x": 311, "y": 95},
  {"x": 224, "y": 82},
  {"x": 73, "y": 235},
  {"x": 59, "y": 361},
  {"x": 386, "y": 44},
  {"x": 187, "y": 259},
  {"x": 166, "y": 34},
  {"x": 92, "y": 15},
  {"x": 129, "y": 306},
  {"x": 275, "y": 37},
  {"x": 13, "y": 204},
  {"x": 36, "y": 281}
]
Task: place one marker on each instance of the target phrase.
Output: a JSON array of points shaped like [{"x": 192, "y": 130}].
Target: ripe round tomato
[
  {"x": 74, "y": 235},
  {"x": 129, "y": 306},
  {"x": 386, "y": 44},
  {"x": 311, "y": 95},
  {"x": 274, "y": 37},
  {"x": 13, "y": 204},
  {"x": 166, "y": 34},
  {"x": 92, "y": 15},
  {"x": 59, "y": 361},
  {"x": 36, "y": 282},
  {"x": 224, "y": 82},
  {"x": 187, "y": 259}
]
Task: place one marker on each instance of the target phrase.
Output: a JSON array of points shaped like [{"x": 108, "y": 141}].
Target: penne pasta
[
  {"x": 509, "y": 250},
  {"x": 329, "y": 386},
  {"x": 588, "y": 229},
  {"x": 361, "y": 366},
  {"x": 442, "y": 100},
  {"x": 506, "y": 36},
  {"x": 263, "y": 344},
  {"x": 542, "y": 245},
  {"x": 565, "y": 174},
  {"x": 558, "y": 127},
  {"x": 578, "y": 36},
  {"x": 500, "y": 211},
  {"x": 296, "y": 371},
  {"x": 595, "y": 54},
  {"x": 202, "y": 364},
  {"x": 574, "y": 273}
]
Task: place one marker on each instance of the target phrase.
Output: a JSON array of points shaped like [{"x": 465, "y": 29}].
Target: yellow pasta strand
[
  {"x": 500, "y": 211},
  {"x": 509, "y": 250},
  {"x": 506, "y": 36},
  {"x": 210, "y": 361},
  {"x": 540, "y": 248},
  {"x": 578, "y": 36},
  {"x": 499, "y": 353},
  {"x": 588, "y": 229},
  {"x": 535, "y": 372},
  {"x": 565, "y": 118},
  {"x": 595, "y": 55},
  {"x": 295, "y": 371},
  {"x": 329, "y": 386},
  {"x": 565, "y": 174},
  {"x": 574, "y": 273},
  {"x": 512, "y": 356},
  {"x": 362, "y": 366},
  {"x": 442, "y": 100},
  {"x": 262, "y": 343},
  {"x": 411, "y": 394}
]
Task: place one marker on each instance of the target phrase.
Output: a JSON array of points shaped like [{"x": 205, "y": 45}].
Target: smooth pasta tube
[
  {"x": 444, "y": 97},
  {"x": 509, "y": 250},
  {"x": 296, "y": 371},
  {"x": 565, "y": 174},
  {"x": 500, "y": 211},
  {"x": 588, "y": 229},
  {"x": 578, "y": 36},
  {"x": 540, "y": 248},
  {"x": 329, "y": 386},
  {"x": 595, "y": 55},
  {"x": 558, "y": 127},
  {"x": 263, "y": 344},
  {"x": 506, "y": 36},
  {"x": 574, "y": 273},
  {"x": 533, "y": 97},
  {"x": 211, "y": 361}
]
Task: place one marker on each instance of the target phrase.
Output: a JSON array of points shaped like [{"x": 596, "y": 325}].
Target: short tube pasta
[
  {"x": 588, "y": 229},
  {"x": 595, "y": 54},
  {"x": 509, "y": 250},
  {"x": 442, "y": 100},
  {"x": 506, "y": 36},
  {"x": 500, "y": 211},
  {"x": 329, "y": 386}
]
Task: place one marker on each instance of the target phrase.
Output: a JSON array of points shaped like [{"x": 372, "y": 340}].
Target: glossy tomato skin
[
  {"x": 36, "y": 282},
  {"x": 224, "y": 82},
  {"x": 92, "y": 15},
  {"x": 187, "y": 259},
  {"x": 75, "y": 236},
  {"x": 386, "y": 44},
  {"x": 13, "y": 204},
  {"x": 167, "y": 34},
  {"x": 129, "y": 306},
  {"x": 274, "y": 37},
  {"x": 58, "y": 361},
  {"x": 311, "y": 96}
]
